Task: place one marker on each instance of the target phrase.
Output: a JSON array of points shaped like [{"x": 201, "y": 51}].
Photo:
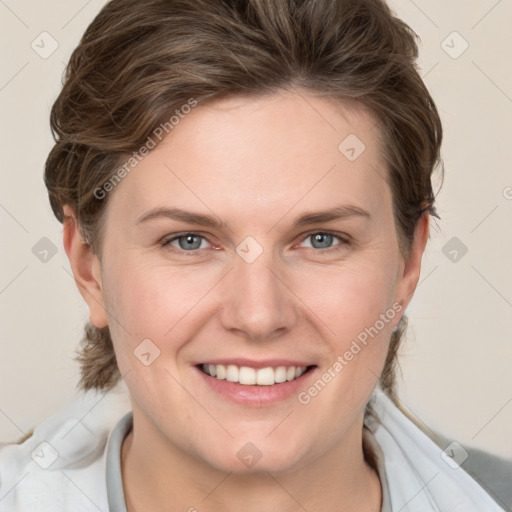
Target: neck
[{"x": 160, "y": 476}]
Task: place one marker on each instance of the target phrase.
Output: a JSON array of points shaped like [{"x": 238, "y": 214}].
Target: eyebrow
[{"x": 211, "y": 221}]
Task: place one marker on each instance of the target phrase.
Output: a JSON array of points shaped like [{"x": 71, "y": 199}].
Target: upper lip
[{"x": 252, "y": 363}]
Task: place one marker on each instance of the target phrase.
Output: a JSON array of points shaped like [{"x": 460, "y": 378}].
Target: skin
[{"x": 257, "y": 164}]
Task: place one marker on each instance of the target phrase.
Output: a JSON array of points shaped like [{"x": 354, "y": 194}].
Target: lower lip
[{"x": 257, "y": 395}]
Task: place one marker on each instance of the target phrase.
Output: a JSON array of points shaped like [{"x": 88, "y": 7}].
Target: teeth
[
  {"x": 280, "y": 374},
  {"x": 220, "y": 371},
  {"x": 247, "y": 376},
  {"x": 299, "y": 371},
  {"x": 232, "y": 373},
  {"x": 251, "y": 376},
  {"x": 264, "y": 376}
]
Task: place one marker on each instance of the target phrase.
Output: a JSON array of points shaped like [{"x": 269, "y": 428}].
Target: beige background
[{"x": 456, "y": 363}]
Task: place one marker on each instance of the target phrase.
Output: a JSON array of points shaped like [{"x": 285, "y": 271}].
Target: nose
[{"x": 258, "y": 304}]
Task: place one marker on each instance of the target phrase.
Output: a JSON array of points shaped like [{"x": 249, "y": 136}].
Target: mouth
[{"x": 251, "y": 376}]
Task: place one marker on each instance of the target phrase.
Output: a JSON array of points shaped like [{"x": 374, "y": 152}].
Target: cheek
[
  {"x": 153, "y": 301},
  {"x": 354, "y": 310},
  {"x": 349, "y": 299}
]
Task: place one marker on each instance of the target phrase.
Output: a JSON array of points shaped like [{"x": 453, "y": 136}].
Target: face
[{"x": 213, "y": 260}]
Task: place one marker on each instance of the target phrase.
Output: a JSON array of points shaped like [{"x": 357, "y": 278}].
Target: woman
[{"x": 245, "y": 189}]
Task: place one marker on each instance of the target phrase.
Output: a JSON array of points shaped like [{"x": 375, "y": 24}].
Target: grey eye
[
  {"x": 186, "y": 242},
  {"x": 190, "y": 241},
  {"x": 321, "y": 240}
]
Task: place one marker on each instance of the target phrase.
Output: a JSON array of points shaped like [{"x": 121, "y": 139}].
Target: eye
[
  {"x": 323, "y": 241},
  {"x": 188, "y": 242}
]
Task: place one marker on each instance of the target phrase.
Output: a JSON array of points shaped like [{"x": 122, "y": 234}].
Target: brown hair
[{"x": 138, "y": 62}]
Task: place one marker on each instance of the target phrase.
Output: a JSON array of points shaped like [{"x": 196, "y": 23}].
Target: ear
[
  {"x": 86, "y": 268},
  {"x": 410, "y": 270}
]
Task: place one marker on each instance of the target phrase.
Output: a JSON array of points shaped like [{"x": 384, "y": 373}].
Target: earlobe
[
  {"x": 408, "y": 280},
  {"x": 86, "y": 268}
]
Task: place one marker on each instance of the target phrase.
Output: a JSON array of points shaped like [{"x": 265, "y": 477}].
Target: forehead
[{"x": 261, "y": 154}]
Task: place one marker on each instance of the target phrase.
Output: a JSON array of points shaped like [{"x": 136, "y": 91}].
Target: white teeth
[
  {"x": 280, "y": 374},
  {"x": 250, "y": 376},
  {"x": 247, "y": 376},
  {"x": 265, "y": 377},
  {"x": 232, "y": 373},
  {"x": 220, "y": 369}
]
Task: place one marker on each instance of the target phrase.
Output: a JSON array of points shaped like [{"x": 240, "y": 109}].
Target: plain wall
[{"x": 456, "y": 363}]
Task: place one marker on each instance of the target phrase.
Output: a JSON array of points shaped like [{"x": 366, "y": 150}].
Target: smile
[{"x": 248, "y": 376}]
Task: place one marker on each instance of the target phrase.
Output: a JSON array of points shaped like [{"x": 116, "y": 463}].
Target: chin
[{"x": 248, "y": 459}]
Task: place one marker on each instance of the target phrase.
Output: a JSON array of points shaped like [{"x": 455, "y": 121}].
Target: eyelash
[{"x": 344, "y": 241}]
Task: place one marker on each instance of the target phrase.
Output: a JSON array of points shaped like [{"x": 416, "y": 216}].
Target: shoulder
[
  {"x": 491, "y": 471},
  {"x": 61, "y": 466},
  {"x": 420, "y": 452}
]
